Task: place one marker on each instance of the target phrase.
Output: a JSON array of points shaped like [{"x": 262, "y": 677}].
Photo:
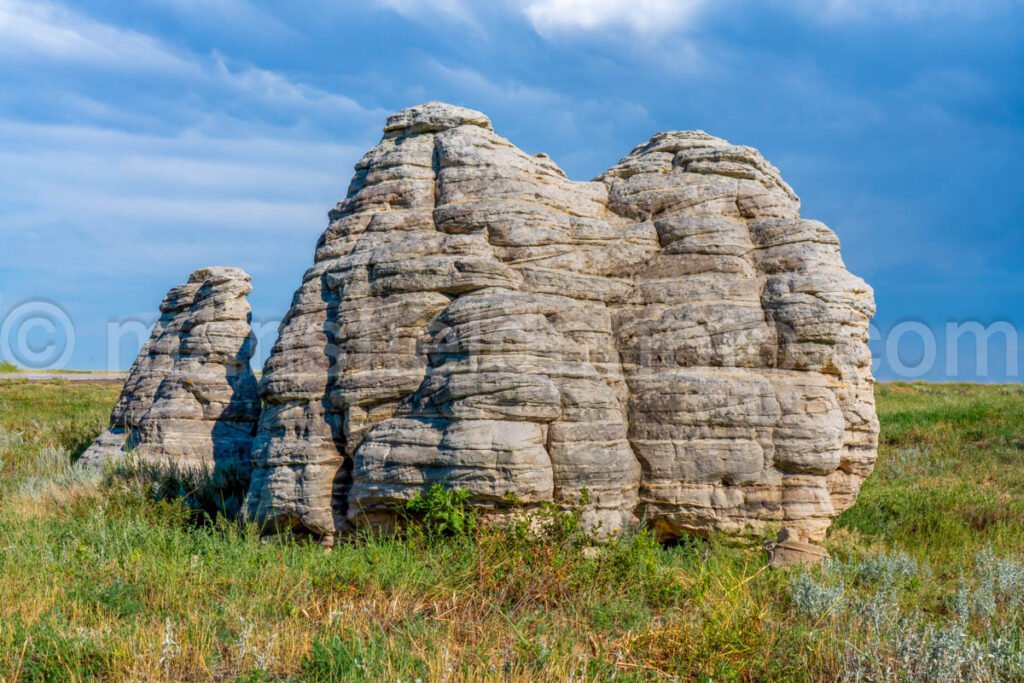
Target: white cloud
[
  {"x": 53, "y": 31},
  {"x": 225, "y": 163},
  {"x": 862, "y": 10},
  {"x": 640, "y": 16},
  {"x": 513, "y": 95},
  {"x": 423, "y": 9},
  {"x": 276, "y": 89},
  {"x": 550, "y": 17},
  {"x": 654, "y": 18},
  {"x": 104, "y": 221},
  {"x": 99, "y": 173},
  {"x": 467, "y": 80},
  {"x": 88, "y": 199}
]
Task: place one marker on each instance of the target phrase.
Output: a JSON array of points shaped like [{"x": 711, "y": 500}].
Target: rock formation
[
  {"x": 670, "y": 343},
  {"x": 191, "y": 398}
]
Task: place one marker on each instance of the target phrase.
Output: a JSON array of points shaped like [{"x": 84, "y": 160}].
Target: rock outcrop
[
  {"x": 670, "y": 343},
  {"x": 191, "y": 398}
]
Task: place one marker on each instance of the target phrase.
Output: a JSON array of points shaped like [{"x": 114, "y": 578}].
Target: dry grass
[{"x": 105, "y": 580}]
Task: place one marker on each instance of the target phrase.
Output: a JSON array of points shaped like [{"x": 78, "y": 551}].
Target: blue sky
[{"x": 139, "y": 140}]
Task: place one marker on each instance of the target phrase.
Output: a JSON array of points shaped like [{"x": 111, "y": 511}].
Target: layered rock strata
[
  {"x": 670, "y": 343},
  {"x": 191, "y": 398}
]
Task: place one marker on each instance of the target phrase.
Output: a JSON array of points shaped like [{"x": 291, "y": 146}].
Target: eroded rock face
[
  {"x": 191, "y": 398},
  {"x": 669, "y": 343}
]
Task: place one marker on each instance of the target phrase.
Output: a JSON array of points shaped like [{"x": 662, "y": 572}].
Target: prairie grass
[{"x": 126, "y": 578}]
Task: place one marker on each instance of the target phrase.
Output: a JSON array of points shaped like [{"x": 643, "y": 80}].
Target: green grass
[
  {"x": 107, "y": 578},
  {"x": 7, "y": 367},
  {"x": 949, "y": 481}
]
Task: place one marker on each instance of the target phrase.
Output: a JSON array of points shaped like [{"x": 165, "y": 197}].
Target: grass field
[{"x": 107, "y": 578}]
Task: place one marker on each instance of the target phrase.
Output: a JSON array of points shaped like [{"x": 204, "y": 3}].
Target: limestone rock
[
  {"x": 670, "y": 343},
  {"x": 788, "y": 549},
  {"x": 191, "y": 398}
]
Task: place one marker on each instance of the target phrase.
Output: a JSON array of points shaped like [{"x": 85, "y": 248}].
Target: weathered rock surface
[
  {"x": 191, "y": 398},
  {"x": 669, "y": 343},
  {"x": 788, "y": 550}
]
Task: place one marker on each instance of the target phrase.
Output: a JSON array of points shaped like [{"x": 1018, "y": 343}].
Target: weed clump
[{"x": 442, "y": 511}]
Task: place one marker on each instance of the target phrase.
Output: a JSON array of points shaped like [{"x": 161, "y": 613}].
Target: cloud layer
[
  {"x": 141, "y": 140},
  {"x": 642, "y": 16}
]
